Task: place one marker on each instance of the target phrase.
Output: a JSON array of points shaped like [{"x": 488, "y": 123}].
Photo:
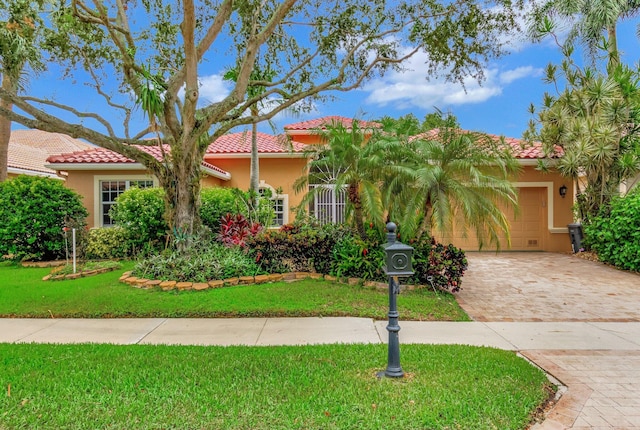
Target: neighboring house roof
[
  {"x": 98, "y": 158},
  {"x": 29, "y": 149},
  {"x": 521, "y": 149},
  {"x": 239, "y": 144},
  {"x": 321, "y": 124}
]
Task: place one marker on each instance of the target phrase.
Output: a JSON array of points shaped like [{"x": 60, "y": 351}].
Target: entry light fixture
[{"x": 563, "y": 191}]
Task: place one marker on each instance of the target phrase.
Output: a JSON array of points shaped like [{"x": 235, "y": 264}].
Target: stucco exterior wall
[
  {"x": 275, "y": 172},
  {"x": 86, "y": 183}
]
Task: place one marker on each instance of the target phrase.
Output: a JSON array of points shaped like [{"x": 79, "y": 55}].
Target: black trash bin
[{"x": 575, "y": 234}]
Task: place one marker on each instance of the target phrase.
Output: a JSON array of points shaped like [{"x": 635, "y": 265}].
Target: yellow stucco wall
[{"x": 275, "y": 172}]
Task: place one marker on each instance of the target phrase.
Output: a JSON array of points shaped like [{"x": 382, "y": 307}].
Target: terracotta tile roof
[
  {"x": 321, "y": 123},
  {"x": 106, "y": 156},
  {"x": 29, "y": 149},
  {"x": 521, "y": 149},
  {"x": 240, "y": 143},
  {"x": 102, "y": 155}
]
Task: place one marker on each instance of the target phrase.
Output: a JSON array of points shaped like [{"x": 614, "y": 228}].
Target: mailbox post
[{"x": 398, "y": 265}]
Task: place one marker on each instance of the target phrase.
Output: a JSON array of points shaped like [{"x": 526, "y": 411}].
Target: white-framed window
[
  {"x": 108, "y": 188},
  {"x": 280, "y": 204},
  {"x": 328, "y": 204}
]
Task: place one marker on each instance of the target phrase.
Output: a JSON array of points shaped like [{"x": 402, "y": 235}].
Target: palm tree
[
  {"x": 351, "y": 158},
  {"x": 453, "y": 177},
  {"x": 257, "y": 75},
  {"x": 591, "y": 20},
  {"x": 595, "y": 122}
]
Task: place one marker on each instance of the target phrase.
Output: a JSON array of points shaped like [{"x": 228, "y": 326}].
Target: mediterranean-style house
[{"x": 100, "y": 176}]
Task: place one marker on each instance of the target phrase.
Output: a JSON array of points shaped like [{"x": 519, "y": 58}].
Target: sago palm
[{"x": 452, "y": 177}]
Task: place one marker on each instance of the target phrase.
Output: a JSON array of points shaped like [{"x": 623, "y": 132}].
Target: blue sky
[{"x": 499, "y": 105}]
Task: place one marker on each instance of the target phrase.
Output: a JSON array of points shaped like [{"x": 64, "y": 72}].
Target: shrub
[
  {"x": 141, "y": 213},
  {"x": 614, "y": 234},
  {"x": 235, "y": 230},
  {"x": 109, "y": 242},
  {"x": 33, "y": 212},
  {"x": 356, "y": 258},
  {"x": 338, "y": 250},
  {"x": 297, "y": 248},
  {"x": 216, "y": 203},
  {"x": 206, "y": 261},
  {"x": 444, "y": 265}
]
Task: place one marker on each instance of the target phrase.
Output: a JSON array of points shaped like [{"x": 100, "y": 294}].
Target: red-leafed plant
[{"x": 235, "y": 229}]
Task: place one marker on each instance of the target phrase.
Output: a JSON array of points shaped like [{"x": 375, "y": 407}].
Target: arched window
[{"x": 280, "y": 204}]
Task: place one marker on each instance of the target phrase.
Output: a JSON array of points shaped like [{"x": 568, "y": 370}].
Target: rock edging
[
  {"x": 82, "y": 274},
  {"x": 143, "y": 283}
]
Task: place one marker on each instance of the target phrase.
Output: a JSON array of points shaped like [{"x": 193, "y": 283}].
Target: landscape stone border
[
  {"x": 77, "y": 275},
  {"x": 249, "y": 280}
]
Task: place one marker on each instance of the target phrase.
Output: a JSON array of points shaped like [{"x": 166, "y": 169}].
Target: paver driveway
[
  {"x": 603, "y": 385},
  {"x": 543, "y": 286}
]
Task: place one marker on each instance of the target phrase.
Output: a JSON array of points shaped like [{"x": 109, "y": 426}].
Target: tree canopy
[{"x": 146, "y": 58}]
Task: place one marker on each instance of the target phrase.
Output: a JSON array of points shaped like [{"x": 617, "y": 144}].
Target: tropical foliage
[
  {"x": 427, "y": 183},
  {"x": 19, "y": 22},
  {"x": 594, "y": 23},
  {"x": 593, "y": 121},
  {"x": 410, "y": 125},
  {"x": 614, "y": 233},
  {"x": 453, "y": 178},
  {"x": 349, "y": 158}
]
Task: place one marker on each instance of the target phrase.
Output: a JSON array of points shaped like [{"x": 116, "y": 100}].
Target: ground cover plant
[
  {"x": 24, "y": 294},
  {"x": 312, "y": 387}
]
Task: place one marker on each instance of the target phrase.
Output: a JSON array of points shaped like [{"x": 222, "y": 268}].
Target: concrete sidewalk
[{"x": 516, "y": 336}]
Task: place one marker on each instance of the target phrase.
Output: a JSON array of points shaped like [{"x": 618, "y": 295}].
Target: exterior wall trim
[{"x": 97, "y": 195}]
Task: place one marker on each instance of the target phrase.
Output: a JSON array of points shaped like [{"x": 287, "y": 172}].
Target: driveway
[
  {"x": 543, "y": 286},
  {"x": 603, "y": 385}
]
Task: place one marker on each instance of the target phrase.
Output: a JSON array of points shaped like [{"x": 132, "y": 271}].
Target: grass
[
  {"x": 310, "y": 387},
  {"x": 24, "y": 294}
]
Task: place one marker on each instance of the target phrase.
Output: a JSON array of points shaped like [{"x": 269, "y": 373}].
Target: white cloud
[
  {"x": 509, "y": 76},
  {"x": 410, "y": 88},
  {"x": 213, "y": 88}
]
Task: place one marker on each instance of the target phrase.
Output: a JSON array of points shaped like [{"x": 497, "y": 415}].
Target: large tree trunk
[
  {"x": 181, "y": 182},
  {"x": 9, "y": 85}
]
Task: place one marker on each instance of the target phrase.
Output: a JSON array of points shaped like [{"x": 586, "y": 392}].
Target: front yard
[
  {"x": 286, "y": 387},
  {"x": 24, "y": 294}
]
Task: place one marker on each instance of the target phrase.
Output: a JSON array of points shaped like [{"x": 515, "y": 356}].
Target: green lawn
[
  {"x": 24, "y": 294},
  {"x": 310, "y": 387}
]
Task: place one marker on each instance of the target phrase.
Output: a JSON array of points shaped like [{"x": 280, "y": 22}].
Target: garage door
[{"x": 527, "y": 228}]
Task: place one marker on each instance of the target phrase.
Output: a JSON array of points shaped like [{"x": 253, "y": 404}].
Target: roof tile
[
  {"x": 240, "y": 143},
  {"x": 102, "y": 155},
  {"x": 521, "y": 149},
  {"x": 321, "y": 123},
  {"x": 29, "y": 149}
]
